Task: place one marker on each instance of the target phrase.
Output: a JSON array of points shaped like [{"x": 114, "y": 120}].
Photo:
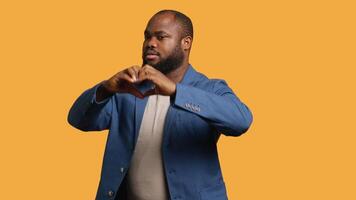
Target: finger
[
  {"x": 151, "y": 68},
  {"x": 152, "y": 71},
  {"x": 132, "y": 73},
  {"x": 147, "y": 66},
  {"x": 126, "y": 77},
  {"x": 143, "y": 74},
  {"x": 136, "y": 68}
]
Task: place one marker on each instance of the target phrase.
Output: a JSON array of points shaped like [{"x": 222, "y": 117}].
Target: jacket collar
[{"x": 189, "y": 77}]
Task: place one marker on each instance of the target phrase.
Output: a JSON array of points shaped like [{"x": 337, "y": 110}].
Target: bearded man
[{"x": 164, "y": 120}]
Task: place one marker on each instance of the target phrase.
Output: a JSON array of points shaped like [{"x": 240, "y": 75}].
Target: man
[{"x": 164, "y": 121}]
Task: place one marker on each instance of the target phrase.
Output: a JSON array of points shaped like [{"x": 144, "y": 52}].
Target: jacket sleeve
[
  {"x": 87, "y": 114},
  {"x": 221, "y": 108}
]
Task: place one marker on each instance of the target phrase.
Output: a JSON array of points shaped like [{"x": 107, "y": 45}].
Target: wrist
[
  {"x": 173, "y": 93},
  {"x": 104, "y": 87},
  {"x": 102, "y": 92}
]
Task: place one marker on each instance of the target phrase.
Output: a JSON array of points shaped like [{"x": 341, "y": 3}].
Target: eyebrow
[{"x": 156, "y": 32}]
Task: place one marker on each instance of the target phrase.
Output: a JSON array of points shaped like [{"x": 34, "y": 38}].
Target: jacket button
[{"x": 110, "y": 193}]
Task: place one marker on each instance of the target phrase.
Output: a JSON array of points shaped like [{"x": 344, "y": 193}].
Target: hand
[
  {"x": 123, "y": 82},
  {"x": 163, "y": 85}
]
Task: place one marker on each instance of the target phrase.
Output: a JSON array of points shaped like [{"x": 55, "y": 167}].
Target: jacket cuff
[
  {"x": 183, "y": 100},
  {"x": 93, "y": 99}
]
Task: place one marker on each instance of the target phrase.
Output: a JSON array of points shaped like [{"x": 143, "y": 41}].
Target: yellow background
[{"x": 292, "y": 62}]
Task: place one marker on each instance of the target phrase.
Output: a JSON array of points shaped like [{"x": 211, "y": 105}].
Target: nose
[{"x": 152, "y": 42}]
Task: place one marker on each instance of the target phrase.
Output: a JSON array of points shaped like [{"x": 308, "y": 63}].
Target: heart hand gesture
[{"x": 125, "y": 82}]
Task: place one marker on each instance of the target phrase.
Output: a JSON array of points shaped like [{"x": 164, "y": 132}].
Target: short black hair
[{"x": 183, "y": 19}]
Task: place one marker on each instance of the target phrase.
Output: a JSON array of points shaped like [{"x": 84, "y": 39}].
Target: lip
[{"x": 151, "y": 56}]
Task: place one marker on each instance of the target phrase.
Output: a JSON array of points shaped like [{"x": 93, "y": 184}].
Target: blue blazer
[{"x": 200, "y": 111}]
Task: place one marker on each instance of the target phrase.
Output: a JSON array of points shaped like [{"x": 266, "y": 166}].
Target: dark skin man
[
  {"x": 163, "y": 46},
  {"x": 165, "y": 146}
]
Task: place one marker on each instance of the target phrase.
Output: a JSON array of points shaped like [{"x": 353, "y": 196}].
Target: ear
[{"x": 187, "y": 43}]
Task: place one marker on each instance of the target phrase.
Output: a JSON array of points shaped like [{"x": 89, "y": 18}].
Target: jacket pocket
[{"x": 214, "y": 192}]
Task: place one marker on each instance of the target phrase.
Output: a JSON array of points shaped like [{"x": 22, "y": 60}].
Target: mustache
[{"x": 151, "y": 52}]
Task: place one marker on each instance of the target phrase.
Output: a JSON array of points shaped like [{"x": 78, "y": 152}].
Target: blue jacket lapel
[{"x": 140, "y": 104}]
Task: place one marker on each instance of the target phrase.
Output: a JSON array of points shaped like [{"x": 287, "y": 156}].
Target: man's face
[{"x": 162, "y": 46}]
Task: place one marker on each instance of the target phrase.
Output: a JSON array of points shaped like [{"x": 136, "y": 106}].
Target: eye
[{"x": 160, "y": 37}]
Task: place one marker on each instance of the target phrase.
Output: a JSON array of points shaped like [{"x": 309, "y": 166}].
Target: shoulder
[{"x": 216, "y": 85}]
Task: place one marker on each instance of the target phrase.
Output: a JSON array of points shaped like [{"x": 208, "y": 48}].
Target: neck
[{"x": 178, "y": 74}]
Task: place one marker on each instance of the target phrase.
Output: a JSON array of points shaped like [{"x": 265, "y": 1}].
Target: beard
[{"x": 172, "y": 62}]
